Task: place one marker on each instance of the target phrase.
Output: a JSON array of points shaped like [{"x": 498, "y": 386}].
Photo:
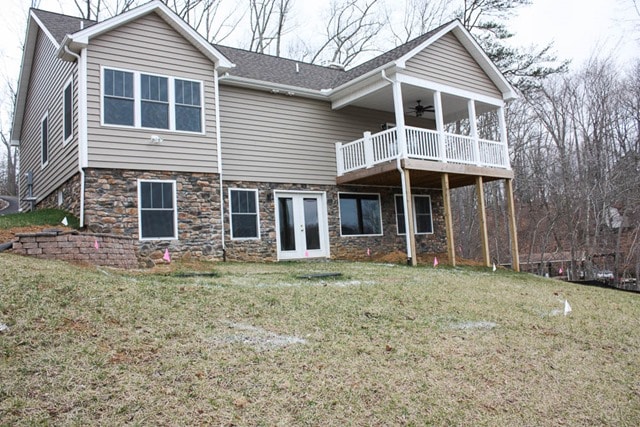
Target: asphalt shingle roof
[
  {"x": 61, "y": 25},
  {"x": 261, "y": 67}
]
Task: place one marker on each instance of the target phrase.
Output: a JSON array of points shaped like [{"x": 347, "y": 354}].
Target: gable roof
[{"x": 80, "y": 39}]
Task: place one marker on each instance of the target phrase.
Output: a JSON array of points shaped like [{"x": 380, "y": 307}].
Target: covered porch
[{"x": 442, "y": 138}]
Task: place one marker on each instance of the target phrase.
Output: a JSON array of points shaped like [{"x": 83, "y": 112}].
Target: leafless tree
[
  {"x": 9, "y": 183},
  {"x": 418, "y": 17},
  {"x": 267, "y": 20},
  {"x": 349, "y": 32}
]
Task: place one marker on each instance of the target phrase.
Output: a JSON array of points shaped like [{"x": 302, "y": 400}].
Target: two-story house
[{"x": 141, "y": 127}]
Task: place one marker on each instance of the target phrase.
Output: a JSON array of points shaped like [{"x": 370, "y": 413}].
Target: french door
[{"x": 301, "y": 225}]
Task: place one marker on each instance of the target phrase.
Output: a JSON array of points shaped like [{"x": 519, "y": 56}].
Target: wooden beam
[
  {"x": 482, "y": 215},
  {"x": 513, "y": 232},
  {"x": 448, "y": 220},
  {"x": 411, "y": 234}
]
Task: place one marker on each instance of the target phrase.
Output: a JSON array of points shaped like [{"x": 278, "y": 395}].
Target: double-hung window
[
  {"x": 157, "y": 210},
  {"x": 422, "y": 222},
  {"x": 188, "y": 105},
  {"x": 67, "y": 112},
  {"x": 118, "y": 103},
  {"x": 244, "y": 214},
  {"x": 360, "y": 214},
  {"x": 44, "y": 140},
  {"x": 143, "y": 100},
  {"x": 154, "y": 104}
]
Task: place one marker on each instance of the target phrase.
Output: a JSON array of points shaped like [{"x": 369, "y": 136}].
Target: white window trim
[
  {"x": 379, "y": 208},
  {"x": 175, "y": 211},
  {"x": 43, "y": 164},
  {"x": 64, "y": 105},
  {"x": 137, "y": 102},
  {"x": 415, "y": 223},
  {"x": 256, "y": 193}
]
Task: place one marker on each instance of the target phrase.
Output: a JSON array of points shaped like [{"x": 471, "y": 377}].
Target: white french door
[{"x": 301, "y": 225}]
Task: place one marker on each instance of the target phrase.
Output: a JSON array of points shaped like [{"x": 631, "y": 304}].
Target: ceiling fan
[{"x": 420, "y": 109}]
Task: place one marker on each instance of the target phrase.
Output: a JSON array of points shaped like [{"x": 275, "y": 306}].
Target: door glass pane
[
  {"x": 311, "y": 223},
  {"x": 287, "y": 231}
]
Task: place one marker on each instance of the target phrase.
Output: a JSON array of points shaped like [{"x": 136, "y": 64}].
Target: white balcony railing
[{"x": 422, "y": 144}]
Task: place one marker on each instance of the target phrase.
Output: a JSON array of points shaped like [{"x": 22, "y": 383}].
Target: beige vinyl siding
[
  {"x": 49, "y": 75},
  {"x": 287, "y": 139},
  {"x": 149, "y": 45},
  {"x": 447, "y": 61}
]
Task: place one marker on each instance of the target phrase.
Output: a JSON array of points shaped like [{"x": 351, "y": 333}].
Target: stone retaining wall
[{"x": 110, "y": 250}]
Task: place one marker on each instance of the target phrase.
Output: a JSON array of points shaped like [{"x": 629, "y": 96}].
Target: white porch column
[
  {"x": 398, "y": 107},
  {"x": 502, "y": 123},
  {"x": 437, "y": 103},
  {"x": 473, "y": 125}
]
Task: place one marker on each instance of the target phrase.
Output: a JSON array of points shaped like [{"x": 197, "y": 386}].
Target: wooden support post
[
  {"x": 484, "y": 236},
  {"x": 448, "y": 220},
  {"x": 513, "y": 232},
  {"x": 411, "y": 234}
]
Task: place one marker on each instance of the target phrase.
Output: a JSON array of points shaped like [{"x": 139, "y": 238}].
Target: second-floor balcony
[{"x": 420, "y": 144}]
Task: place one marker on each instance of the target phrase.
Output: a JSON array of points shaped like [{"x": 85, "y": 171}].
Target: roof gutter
[{"x": 275, "y": 87}]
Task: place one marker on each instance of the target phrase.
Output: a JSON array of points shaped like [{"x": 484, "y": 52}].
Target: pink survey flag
[
  {"x": 368, "y": 252},
  {"x": 560, "y": 270},
  {"x": 306, "y": 253},
  {"x": 435, "y": 261},
  {"x": 96, "y": 244},
  {"x": 166, "y": 256}
]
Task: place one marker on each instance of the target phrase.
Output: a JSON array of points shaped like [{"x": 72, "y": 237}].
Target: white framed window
[
  {"x": 157, "y": 210},
  {"x": 188, "y": 105},
  {"x": 44, "y": 140},
  {"x": 245, "y": 218},
  {"x": 151, "y": 101},
  {"x": 422, "y": 217},
  {"x": 67, "y": 112},
  {"x": 117, "y": 97},
  {"x": 360, "y": 214}
]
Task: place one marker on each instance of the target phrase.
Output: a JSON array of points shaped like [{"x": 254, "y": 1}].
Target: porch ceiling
[
  {"x": 424, "y": 174},
  {"x": 454, "y": 107}
]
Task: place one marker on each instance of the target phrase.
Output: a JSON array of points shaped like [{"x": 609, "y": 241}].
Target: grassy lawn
[{"x": 255, "y": 345}]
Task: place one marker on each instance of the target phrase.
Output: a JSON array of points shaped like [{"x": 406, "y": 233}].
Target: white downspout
[
  {"x": 82, "y": 123},
  {"x": 219, "y": 149},
  {"x": 404, "y": 185}
]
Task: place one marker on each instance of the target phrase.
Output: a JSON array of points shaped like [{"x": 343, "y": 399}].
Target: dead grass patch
[{"x": 383, "y": 345}]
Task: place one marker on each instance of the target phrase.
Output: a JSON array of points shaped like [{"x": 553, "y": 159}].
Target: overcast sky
[{"x": 577, "y": 27}]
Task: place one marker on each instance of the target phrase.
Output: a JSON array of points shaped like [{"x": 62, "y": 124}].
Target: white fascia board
[
  {"x": 487, "y": 65},
  {"x": 349, "y": 97},
  {"x": 476, "y": 52},
  {"x": 273, "y": 87},
  {"x": 81, "y": 38},
  {"x": 439, "y": 87}
]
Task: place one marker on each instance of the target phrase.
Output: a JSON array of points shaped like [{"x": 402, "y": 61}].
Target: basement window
[
  {"x": 422, "y": 219},
  {"x": 360, "y": 215},
  {"x": 244, "y": 214},
  {"x": 157, "y": 211}
]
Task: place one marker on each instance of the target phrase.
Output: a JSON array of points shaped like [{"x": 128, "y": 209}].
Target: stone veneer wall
[
  {"x": 347, "y": 247},
  {"x": 70, "y": 197},
  {"x": 111, "y": 250},
  {"x": 111, "y": 206}
]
